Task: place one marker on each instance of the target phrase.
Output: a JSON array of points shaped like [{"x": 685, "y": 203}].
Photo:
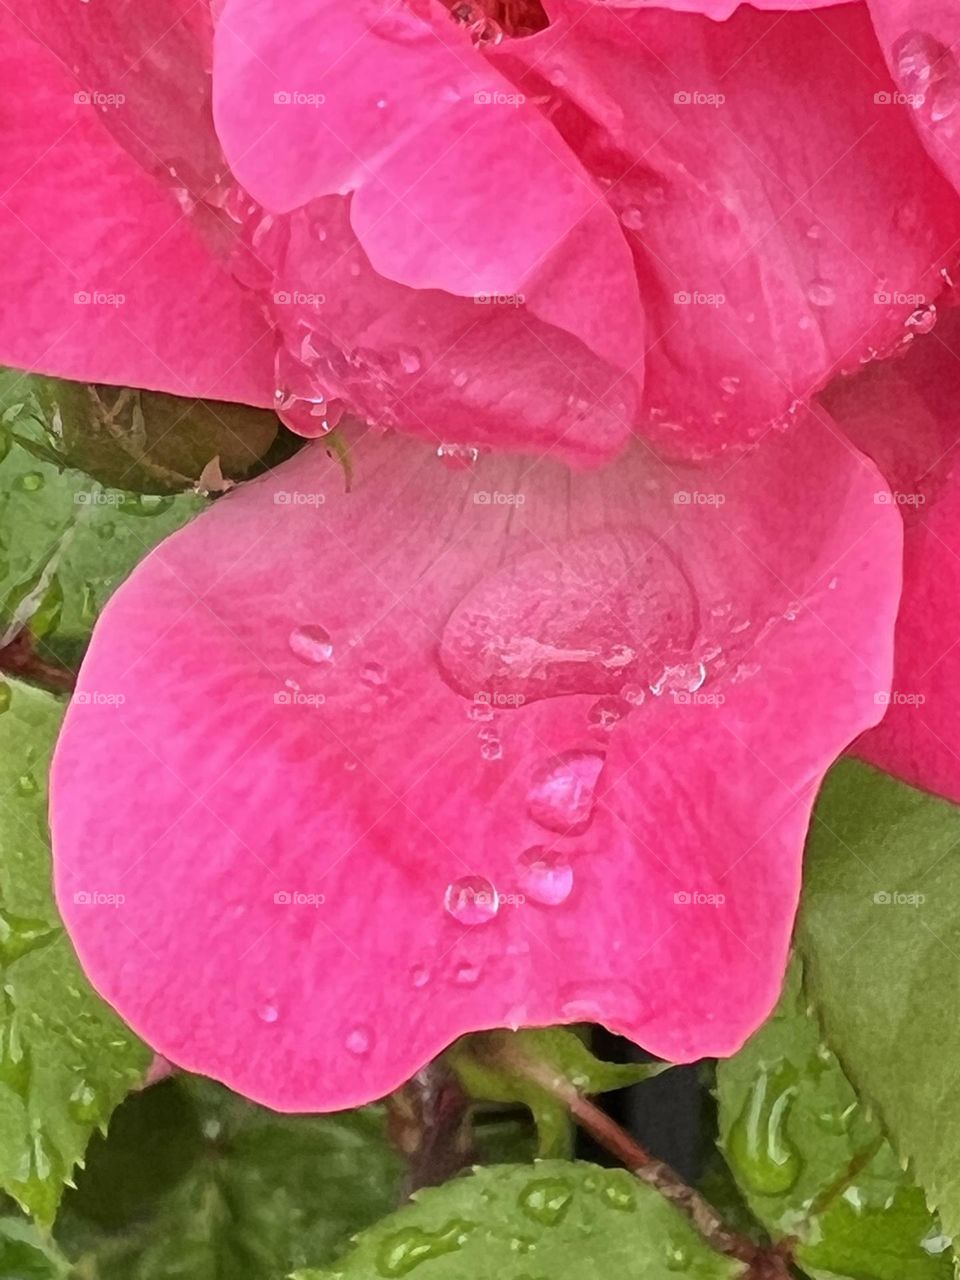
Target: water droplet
[
  {"x": 458, "y": 457},
  {"x": 405, "y": 1250},
  {"x": 677, "y": 1256},
  {"x": 575, "y": 618},
  {"x": 373, "y": 674},
  {"x": 471, "y": 900},
  {"x": 29, "y": 482},
  {"x": 410, "y": 359},
  {"x": 491, "y": 749},
  {"x": 547, "y": 1200},
  {"x": 923, "y": 319},
  {"x": 359, "y": 1041},
  {"x": 606, "y": 713},
  {"x": 563, "y": 792},
  {"x": 821, "y": 293},
  {"x": 684, "y": 677},
  {"x": 633, "y": 218},
  {"x": 6, "y": 696},
  {"x": 619, "y": 1195},
  {"x": 545, "y": 876},
  {"x": 467, "y": 975},
  {"x": 311, "y": 644},
  {"x": 419, "y": 975},
  {"x": 759, "y": 1146},
  {"x": 268, "y": 1013},
  {"x": 730, "y": 385},
  {"x": 299, "y": 401},
  {"x": 480, "y": 711}
]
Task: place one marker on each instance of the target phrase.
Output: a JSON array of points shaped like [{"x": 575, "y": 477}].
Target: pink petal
[
  {"x": 718, "y": 9},
  {"x": 339, "y": 709},
  {"x": 437, "y": 149},
  {"x": 426, "y": 362},
  {"x": 111, "y": 283},
  {"x": 920, "y": 39},
  {"x": 770, "y": 190},
  {"x": 905, "y": 415}
]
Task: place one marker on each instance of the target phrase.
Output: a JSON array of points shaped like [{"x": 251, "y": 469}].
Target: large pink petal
[
  {"x": 110, "y": 282},
  {"x": 310, "y": 718},
  {"x": 905, "y": 414},
  {"x": 775, "y": 197}
]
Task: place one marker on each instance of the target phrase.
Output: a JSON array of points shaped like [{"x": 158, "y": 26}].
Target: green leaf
[
  {"x": 194, "y": 1183},
  {"x": 880, "y": 936},
  {"x": 493, "y": 1066},
  {"x": 556, "y": 1219},
  {"x": 26, "y": 1254},
  {"x": 140, "y": 441},
  {"x": 65, "y": 1058},
  {"x": 813, "y": 1164},
  {"x": 66, "y": 543}
]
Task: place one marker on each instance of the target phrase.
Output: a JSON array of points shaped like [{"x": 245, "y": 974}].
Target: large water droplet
[
  {"x": 563, "y": 792},
  {"x": 578, "y": 618},
  {"x": 547, "y": 1200},
  {"x": 471, "y": 900},
  {"x": 311, "y": 644},
  {"x": 606, "y": 713},
  {"x": 405, "y": 1250},
  {"x": 758, "y": 1141},
  {"x": 545, "y": 876}
]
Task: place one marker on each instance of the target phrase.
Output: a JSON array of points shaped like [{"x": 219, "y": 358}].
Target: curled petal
[
  {"x": 760, "y": 273},
  {"x": 467, "y": 746},
  {"x": 904, "y": 414}
]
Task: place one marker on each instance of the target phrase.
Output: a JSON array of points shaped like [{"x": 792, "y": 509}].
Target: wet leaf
[
  {"x": 813, "y": 1163},
  {"x": 880, "y": 936},
  {"x": 140, "y": 441},
  {"x": 195, "y": 1183},
  {"x": 556, "y": 1219},
  {"x": 65, "y": 1059},
  {"x": 66, "y": 543}
]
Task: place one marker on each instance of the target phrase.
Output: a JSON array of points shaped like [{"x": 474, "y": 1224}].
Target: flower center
[{"x": 488, "y": 21}]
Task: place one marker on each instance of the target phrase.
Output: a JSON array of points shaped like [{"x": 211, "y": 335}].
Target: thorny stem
[
  {"x": 428, "y": 1121},
  {"x": 762, "y": 1263}
]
